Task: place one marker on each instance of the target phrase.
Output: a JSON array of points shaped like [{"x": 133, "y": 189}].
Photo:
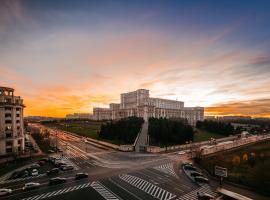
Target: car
[
  {"x": 67, "y": 167},
  {"x": 5, "y": 191},
  {"x": 181, "y": 152},
  {"x": 81, "y": 176},
  {"x": 34, "y": 172},
  {"x": 51, "y": 151},
  {"x": 31, "y": 185},
  {"x": 190, "y": 167},
  {"x": 44, "y": 159},
  {"x": 41, "y": 162},
  {"x": 195, "y": 173},
  {"x": 23, "y": 174},
  {"x": 53, "y": 171},
  {"x": 57, "y": 180},
  {"x": 205, "y": 196},
  {"x": 34, "y": 166},
  {"x": 60, "y": 164},
  {"x": 201, "y": 179}
]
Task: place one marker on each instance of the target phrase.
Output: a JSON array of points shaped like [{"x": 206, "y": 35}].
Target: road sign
[{"x": 221, "y": 171}]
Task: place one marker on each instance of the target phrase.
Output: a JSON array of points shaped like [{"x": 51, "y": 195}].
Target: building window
[
  {"x": 9, "y": 150},
  {"x": 17, "y": 121},
  {"x": 8, "y": 143},
  {"x": 19, "y": 141},
  {"x": 7, "y": 108},
  {"x": 8, "y": 121},
  {"x": 17, "y": 115},
  {"x": 8, "y": 115},
  {"x": 17, "y": 109}
]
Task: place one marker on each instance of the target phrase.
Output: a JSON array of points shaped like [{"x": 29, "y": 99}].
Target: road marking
[
  {"x": 167, "y": 169},
  {"x": 150, "y": 189},
  {"x": 58, "y": 192},
  {"x": 201, "y": 190},
  {"x": 104, "y": 192},
  {"x": 21, "y": 179}
]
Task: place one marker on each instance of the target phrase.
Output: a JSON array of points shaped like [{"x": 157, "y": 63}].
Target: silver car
[
  {"x": 31, "y": 185},
  {"x": 5, "y": 191}
]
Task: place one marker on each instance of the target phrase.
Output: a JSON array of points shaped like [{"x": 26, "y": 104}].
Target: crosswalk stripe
[
  {"x": 167, "y": 169},
  {"x": 147, "y": 187},
  {"x": 103, "y": 191},
  {"x": 58, "y": 192}
]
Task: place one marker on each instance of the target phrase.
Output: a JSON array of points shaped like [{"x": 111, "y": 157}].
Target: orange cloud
[{"x": 256, "y": 108}]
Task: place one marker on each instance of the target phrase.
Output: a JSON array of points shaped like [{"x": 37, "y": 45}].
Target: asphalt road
[{"x": 112, "y": 175}]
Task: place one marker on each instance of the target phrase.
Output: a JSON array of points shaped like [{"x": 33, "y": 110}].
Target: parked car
[
  {"x": 81, "y": 176},
  {"x": 67, "y": 167},
  {"x": 60, "y": 164},
  {"x": 206, "y": 196},
  {"x": 34, "y": 166},
  {"x": 189, "y": 167},
  {"x": 53, "y": 171},
  {"x": 5, "y": 191},
  {"x": 31, "y": 185},
  {"x": 23, "y": 174},
  {"x": 57, "y": 180},
  {"x": 201, "y": 179},
  {"x": 181, "y": 152},
  {"x": 34, "y": 172},
  {"x": 195, "y": 173},
  {"x": 41, "y": 162}
]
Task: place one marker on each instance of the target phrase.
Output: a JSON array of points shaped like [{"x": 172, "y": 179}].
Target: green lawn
[
  {"x": 202, "y": 135},
  {"x": 247, "y": 166},
  {"x": 83, "y": 128}
]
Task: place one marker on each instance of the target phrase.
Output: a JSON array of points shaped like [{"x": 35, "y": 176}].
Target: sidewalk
[{"x": 240, "y": 190}]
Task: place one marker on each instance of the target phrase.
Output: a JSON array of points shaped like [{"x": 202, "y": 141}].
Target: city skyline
[{"x": 68, "y": 58}]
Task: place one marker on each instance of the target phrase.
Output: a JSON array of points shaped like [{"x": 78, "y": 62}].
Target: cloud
[{"x": 257, "y": 107}]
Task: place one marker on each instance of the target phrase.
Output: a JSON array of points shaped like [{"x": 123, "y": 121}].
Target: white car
[
  {"x": 4, "y": 191},
  {"x": 34, "y": 172},
  {"x": 181, "y": 152},
  {"x": 31, "y": 185}
]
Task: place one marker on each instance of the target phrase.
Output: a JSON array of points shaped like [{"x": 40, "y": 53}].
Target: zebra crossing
[
  {"x": 67, "y": 160},
  {"x": 58, "y": 192},
  {"x": 193, "y": 195},
  {"x": 147, "y": 187},
  {"x": 104, "y": 192},
  {"x": 167, "y": 169},
  {"x": 21, "y": 179}
]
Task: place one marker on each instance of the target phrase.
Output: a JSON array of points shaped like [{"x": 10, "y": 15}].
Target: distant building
[
  {"x": 79, "y": 116},
  {"x": 138, "y": 103},
  {"x": 11, "y": 122}
]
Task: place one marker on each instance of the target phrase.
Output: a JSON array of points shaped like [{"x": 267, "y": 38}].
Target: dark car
[
  {"x": 201, "y": 179},
  {"x": 189, "y": 167},
  {"x": 57, "y": 180},
  {"x": 195, "y": 173},
  {"x": 53, "y": 171},
  {"x": 67, "y": 167},
  {"x": 60, "y": 164},
  {"x": 81, "y": 176}
]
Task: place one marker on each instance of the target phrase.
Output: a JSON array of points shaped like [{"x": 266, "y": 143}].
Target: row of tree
[
  {"x": 165, "y": 132},
  {"x": 221, "y": 128},
  {"x": 124, "y": 130}
]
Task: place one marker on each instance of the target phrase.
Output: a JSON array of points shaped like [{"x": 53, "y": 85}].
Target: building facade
[
  {"x": 79, "y": 116},
  {"x": 11, "y": 122},
  {"x": 139, "y": 103}
]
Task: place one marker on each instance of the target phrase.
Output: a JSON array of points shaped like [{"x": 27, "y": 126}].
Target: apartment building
[{"x": 11, "y": 122}]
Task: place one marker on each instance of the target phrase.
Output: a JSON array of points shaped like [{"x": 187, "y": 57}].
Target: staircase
[{"x": 142, "y": 139}]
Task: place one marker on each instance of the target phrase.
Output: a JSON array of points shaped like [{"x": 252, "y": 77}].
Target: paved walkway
[{"x": 142, "y": 138}]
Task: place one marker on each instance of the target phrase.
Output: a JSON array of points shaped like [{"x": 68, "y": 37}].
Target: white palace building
[{"x": 140, "y": 104}]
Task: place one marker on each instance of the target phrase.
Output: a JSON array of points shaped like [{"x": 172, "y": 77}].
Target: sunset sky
[{"x": 68, "y": 56}]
